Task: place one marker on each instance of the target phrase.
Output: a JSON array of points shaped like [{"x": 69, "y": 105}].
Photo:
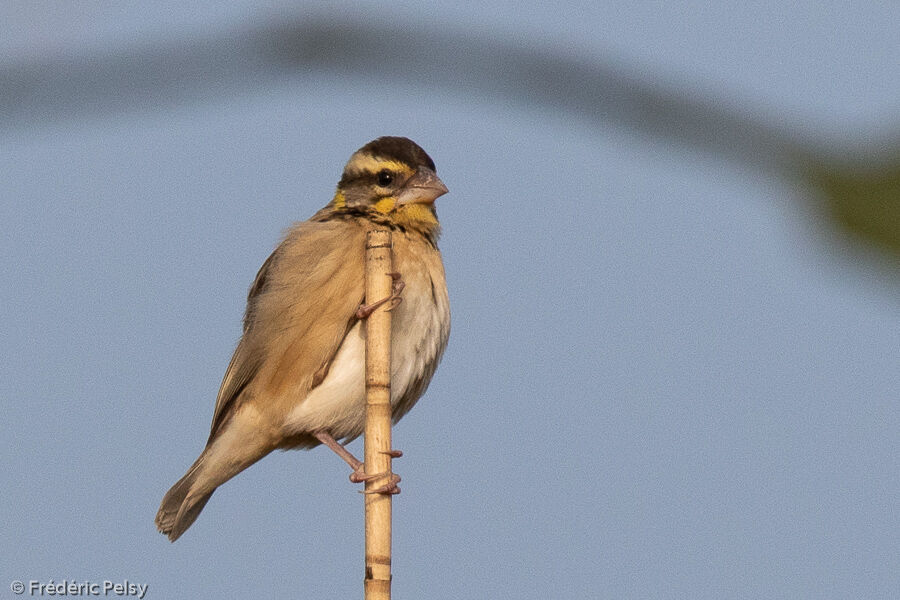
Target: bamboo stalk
[{"x": 378, "y": 416}]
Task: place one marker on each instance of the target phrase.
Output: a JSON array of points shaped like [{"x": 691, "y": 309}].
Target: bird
[{"x": 297, "y": 376}]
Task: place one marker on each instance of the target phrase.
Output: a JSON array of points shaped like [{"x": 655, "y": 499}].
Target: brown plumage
[{"x": 298, "y": 369}]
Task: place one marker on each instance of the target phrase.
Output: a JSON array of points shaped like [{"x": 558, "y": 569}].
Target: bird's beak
[{"x": 422, "y": 188}]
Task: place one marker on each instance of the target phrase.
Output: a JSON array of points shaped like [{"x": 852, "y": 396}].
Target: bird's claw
[
  {"x": 359, "y": 474},
  {"x": 397, "y": 285},
  {"x": 394, "y": 299},
  {"x": 390, "y": 488}
]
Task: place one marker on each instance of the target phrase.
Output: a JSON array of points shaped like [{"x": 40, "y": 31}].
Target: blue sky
[{"x": 663, "y": 379}]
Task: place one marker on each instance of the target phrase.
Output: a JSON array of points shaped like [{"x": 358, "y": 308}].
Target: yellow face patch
[
  {"x": 419, "y": 216},
  {"x": 416, "y": 216},
  {"x": 386, "y": 205},
  {"x": 339, "y": 200}
]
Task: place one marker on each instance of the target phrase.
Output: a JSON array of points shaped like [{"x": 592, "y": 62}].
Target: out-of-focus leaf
[{"x": 862, "y": 201}]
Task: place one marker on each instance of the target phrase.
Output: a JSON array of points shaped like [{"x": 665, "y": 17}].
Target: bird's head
[{"x": 392, "y": 179}]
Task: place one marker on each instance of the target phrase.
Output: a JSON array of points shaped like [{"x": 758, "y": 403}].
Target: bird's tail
[
  {"x": 227, "y": 454},
  {"x": 180, "y": 507}
]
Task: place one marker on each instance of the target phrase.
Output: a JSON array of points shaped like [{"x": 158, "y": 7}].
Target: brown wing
[
  {"x": 299, "y": 309},
  {"x": 244, "y": 363}
]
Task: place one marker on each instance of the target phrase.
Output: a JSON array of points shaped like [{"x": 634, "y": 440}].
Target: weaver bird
[{"x": 297, "y": 377}]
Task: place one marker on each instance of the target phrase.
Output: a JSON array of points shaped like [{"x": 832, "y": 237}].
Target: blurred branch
[{"x": 860, "y": 199}]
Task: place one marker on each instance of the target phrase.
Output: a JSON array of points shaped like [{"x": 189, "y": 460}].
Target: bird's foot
[
  {"x": 359, "y": 474},
  {"x": 397, "y": 286},
  {"x": 389, "y": 488}
]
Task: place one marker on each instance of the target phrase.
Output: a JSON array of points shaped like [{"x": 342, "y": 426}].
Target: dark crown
[{"x": 400, "y": 149}]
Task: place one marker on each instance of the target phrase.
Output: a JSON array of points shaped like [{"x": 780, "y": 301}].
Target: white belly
[{"x": 419, "y": 332}]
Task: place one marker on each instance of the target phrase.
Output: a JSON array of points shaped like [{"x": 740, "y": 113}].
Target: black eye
[{"x": 385, "y": 178}]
